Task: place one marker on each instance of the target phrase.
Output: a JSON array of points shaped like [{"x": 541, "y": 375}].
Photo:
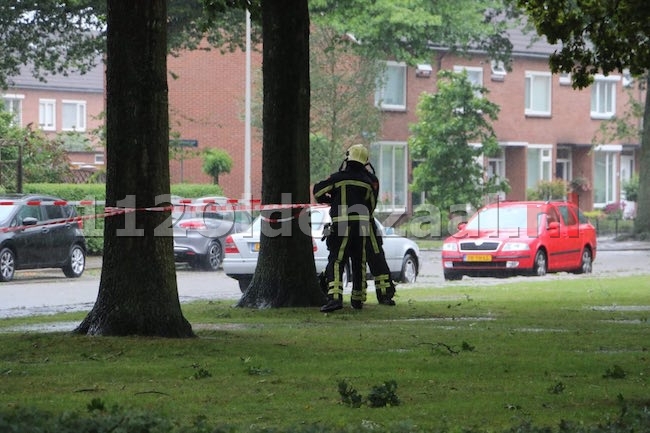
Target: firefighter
[
  {"x": 350, "y": 192},
  {"x": 376, "y": 259}
]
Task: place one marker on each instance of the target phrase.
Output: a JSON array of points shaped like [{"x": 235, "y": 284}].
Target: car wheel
[
  {"x": 7, "y": 264},
  {"x": 76, "y": 262},
  {"x": 453, "y": 276},
  {"x": 540, "y": 265},
  {"x": 586, "y": 265},
  {"x": 409, "y": 269},
  {"x": 244, "y": 283},
  {"x": 212, "y": 259}
]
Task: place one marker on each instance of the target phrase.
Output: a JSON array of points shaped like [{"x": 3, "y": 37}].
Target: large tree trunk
[
  {"x": 642, "y": 220},
  {"x": 138, "y": 294},
  {"x": 285, "y": 275}
]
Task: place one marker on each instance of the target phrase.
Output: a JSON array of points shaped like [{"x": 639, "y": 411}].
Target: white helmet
[{"x": 358, "y": 153}]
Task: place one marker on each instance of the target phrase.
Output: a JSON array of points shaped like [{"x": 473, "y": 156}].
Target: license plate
[
  {"x": 478, "y": 258},
  {"x": 256, "y": 247}
]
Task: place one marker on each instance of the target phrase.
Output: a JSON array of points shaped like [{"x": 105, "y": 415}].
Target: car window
[
  {"x": 53, "y": 212},
  {"x": 6, "y": 211},
  {"x": 567, "y": 216},
  {"x": 582, "y": 219},
  {"x": 510, "y": 217},
  {"x": 26, "y": 211},
  {"x": 552, "y": 216},
  {"x": 243, "y": 217}
]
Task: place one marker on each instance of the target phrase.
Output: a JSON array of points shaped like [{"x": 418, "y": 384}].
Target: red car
[{"x": 521, "y": 237}]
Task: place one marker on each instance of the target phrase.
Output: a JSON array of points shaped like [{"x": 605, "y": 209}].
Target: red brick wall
[{"x": 207, "y": 104}]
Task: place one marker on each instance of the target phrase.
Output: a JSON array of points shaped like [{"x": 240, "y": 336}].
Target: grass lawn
[{"x": 462, "y": 356}]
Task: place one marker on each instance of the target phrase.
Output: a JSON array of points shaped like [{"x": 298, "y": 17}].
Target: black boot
[
  {"x": 356, "y": 304},
  {"x": 332, "y": 305}
]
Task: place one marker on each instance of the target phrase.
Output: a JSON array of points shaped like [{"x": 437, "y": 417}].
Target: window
[
  {"x": 538, "y": 164},
  {"x": 605, "y": 175},
  {"x": 474, "y": 76},
  {"x": 390, "y": 160},
  {"x": 391, "y": 88},
  {"x": 565, "y": 79},
  {"x": 498, "y": 70},
  {"x": 538, "y": 93},
  {"x": 563, "y": 165},
  {"x": 496, "y": 168},
  {"x": 603, "y": 97},
  {"x": 14, "y": 104},
  {"x": 46, "y": 114},
  {"x": 99, "y": 158},
  {"x": 73, "y": 115}
]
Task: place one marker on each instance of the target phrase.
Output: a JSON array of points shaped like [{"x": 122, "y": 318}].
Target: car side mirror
[
  {"x": 461, "y": 225},
  {"x": 29, "y": 221},
  {"x": 554, "y": 228},
  {"x": 389, "y": 231}
]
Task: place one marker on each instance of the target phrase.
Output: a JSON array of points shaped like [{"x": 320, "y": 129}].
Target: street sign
[{"x": 185, "y": 143}]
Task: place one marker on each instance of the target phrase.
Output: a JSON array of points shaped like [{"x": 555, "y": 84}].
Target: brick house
[
  {"x": 545, "y": 127},
  {"x": 72, "y": 103}
]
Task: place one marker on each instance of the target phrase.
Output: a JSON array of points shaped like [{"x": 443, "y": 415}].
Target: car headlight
[
  {"x": 450, "y": 246},
  {"x": 516, "y": 246}
]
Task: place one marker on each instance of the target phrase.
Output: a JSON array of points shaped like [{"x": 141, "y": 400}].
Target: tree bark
[
  {"x": 285, "y": 275},
  {"x": 642, "y": 219},
  {"x": 138, "y": 293}
]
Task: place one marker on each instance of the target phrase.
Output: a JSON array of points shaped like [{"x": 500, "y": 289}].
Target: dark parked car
[
  {"x": 38, "y": 231},
  {"x": 200, "y": 228}
]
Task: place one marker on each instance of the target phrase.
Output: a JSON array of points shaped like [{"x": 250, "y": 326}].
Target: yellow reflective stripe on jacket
[
  {"x": 351, "y": 218},
  {"x": 323, "y": 191}
]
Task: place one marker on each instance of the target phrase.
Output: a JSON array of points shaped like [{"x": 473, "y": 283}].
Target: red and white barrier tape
[{"x": 206, "y": 205}]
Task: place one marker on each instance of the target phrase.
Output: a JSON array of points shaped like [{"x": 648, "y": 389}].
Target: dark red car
[{"x": 521, "y": 237}]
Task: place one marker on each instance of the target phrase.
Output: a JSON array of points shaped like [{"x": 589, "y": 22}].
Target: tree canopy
[
  {"x": 601, "y": 37},
  {"x": 453, "y": 131}
]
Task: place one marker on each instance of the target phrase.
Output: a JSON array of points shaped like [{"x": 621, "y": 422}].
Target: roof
[
  {"x": 530, "y": 44},
  {"x": 91, "y": 82}
]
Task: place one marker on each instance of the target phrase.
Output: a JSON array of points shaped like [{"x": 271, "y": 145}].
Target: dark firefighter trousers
[
  {"x": 376, "y": 259},
  {"x": 347, "y": 243}
]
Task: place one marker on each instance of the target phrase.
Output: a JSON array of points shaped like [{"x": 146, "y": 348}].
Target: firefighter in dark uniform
[
  {"x": 350, "y": 192},
  {"x": 384, "y": 286}
]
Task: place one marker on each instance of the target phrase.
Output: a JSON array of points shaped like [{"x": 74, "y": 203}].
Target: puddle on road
[{"x": 620, "y": 307}]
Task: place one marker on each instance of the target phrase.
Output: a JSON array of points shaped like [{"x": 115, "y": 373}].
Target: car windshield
[
  {"x": 5, "y": 212},
  {"x": 505, "y": 218}
]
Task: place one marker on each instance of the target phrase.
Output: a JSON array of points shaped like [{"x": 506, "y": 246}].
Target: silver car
[
  {"x": 242, "y": 250},
  {"x": 200, "y": 228}
]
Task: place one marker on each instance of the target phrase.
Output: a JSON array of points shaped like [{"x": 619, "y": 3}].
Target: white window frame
[
  {"x": 47, "y": 114},
  {"x": 80, "y": 108},
  {"x": 498, "y": 70},
  {"x": 383, "y": 84},
  {"x": 567, "y": 163},
  {"x": 604, "y": 87},
  {"x": 531, "y": 77},
  {"x": 564, "y": 79},
  {"x": 611, "y": 152},
  {"x": 13, "y": 103},
  {"x": 472, "y": 72},
  {"x": 545, "y": 162},
  {"x": 99, "y": 159},
  {"x": 388, "y": 181}
]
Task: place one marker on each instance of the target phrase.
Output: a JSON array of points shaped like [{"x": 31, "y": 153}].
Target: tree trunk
[
  {"x": 642, "y": 220},
  {"x": 285, "y": 275},
  {"x": 138, "y": 294}
]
